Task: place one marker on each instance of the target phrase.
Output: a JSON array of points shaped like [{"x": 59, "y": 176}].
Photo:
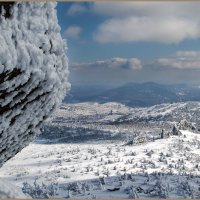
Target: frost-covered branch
[{"x": 33, "y": 72}]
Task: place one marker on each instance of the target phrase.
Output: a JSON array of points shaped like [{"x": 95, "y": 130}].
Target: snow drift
[
  {"x": 10, "y": 191},
  {"x": 33, "y": 72}
]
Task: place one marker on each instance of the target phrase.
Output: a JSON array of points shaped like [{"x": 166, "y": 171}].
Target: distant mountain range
[{"x": 135, "y": 94}]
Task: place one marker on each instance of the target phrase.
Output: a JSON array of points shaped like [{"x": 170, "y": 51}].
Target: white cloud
[
  {"x": 164, "y": 22},
  {"x": 153, "y": 22},
  {"x": 113, "y": 63},
  {"x": 133, "y": 29},
  {"x": 72, "y": 32},
  {"x": 181, "y": 60},
  {"x": 141, "y": 9},
  {"x": 76, "y": 9}
]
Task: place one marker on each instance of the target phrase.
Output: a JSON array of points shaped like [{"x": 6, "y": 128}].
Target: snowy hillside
[
  {"x": 105, "y": 163},
  {"x": 113, "y": 120}
]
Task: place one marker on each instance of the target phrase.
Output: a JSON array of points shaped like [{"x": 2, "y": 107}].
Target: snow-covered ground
[{"x": 108, "y": 167}]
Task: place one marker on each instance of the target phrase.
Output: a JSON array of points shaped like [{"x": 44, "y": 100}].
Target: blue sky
[{"x": 131, "y": 42}]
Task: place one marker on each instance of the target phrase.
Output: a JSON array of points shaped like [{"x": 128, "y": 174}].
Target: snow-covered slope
[
  {"x": 172, "y": 163},
  {"x": 10, "y": 191},
  {"x": 114, "y": 121},
  {"x": 33, "y": 72},
  {"x": 109, "y": 166}
]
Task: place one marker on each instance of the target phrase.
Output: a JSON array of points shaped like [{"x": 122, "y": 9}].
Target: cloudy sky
[{"x": 116, "y": 43}]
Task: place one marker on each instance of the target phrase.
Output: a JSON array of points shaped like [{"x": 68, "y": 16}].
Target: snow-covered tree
[{"x": 33, "y": 72}]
